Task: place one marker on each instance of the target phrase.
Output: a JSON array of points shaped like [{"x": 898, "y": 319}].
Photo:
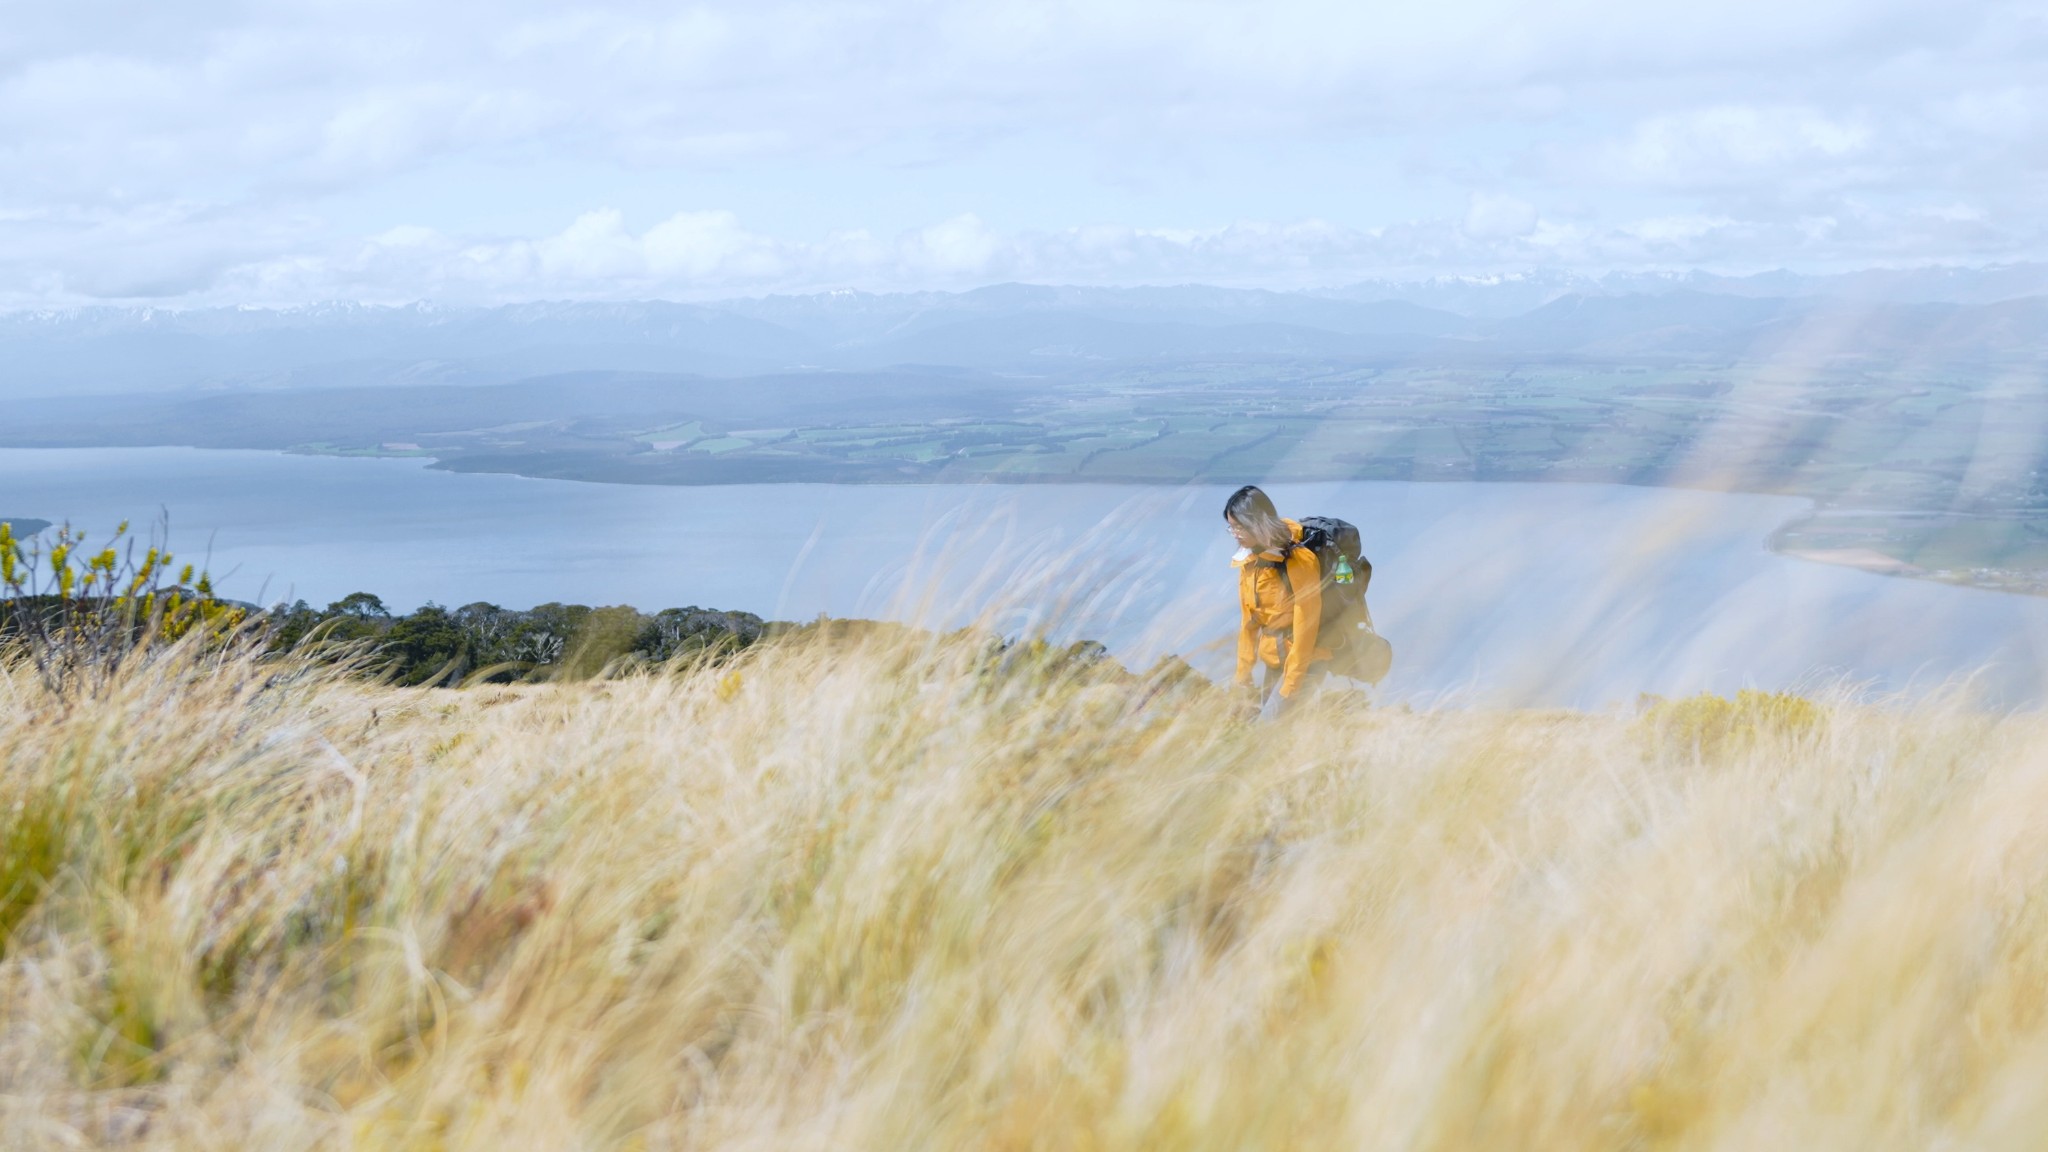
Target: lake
[{"x": 1573, "y": 594}]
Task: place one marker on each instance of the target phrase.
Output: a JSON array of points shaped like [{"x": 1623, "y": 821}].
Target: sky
[{"x": 194, "y": 152}]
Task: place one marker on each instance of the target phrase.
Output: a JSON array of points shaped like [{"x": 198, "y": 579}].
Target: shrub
[
  {"x": 1712, "y": 725},
  {"x": 81, "y": 614}
]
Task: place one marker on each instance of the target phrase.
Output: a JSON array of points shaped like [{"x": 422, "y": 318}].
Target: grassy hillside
[{"x": 883, "y": 893}]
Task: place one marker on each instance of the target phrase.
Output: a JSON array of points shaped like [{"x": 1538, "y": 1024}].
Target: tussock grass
[{"x": 877, "y": 893}]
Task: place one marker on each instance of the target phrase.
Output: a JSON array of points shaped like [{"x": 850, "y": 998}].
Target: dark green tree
[
  {"x": 543, "y": 635},
  {"x": 359, "y": 606},
  {"x": 674, "y": 632},
  {"x": 289, "y": 626},
  {"x": 427, "y": 647},
  {"x": 357, "y": 616}
]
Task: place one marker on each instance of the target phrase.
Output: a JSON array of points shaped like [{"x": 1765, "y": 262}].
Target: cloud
[
  {"x": 188, "y": 147},
  {"x": 1737, "y": 146},
  {"x": 1492, "y": 215}
]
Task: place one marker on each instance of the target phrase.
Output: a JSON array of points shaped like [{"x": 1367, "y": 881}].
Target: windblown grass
[{"x": 877, "y": 895}]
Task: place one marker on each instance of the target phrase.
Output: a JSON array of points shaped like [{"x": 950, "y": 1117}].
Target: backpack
[{"x": 1357, "y": 652}]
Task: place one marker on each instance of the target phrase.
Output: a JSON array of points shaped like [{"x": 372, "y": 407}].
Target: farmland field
[{"x": 1864, "y": 442}]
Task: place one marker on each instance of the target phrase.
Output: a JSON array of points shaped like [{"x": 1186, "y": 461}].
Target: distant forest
[
  {"x": 437, "y": 645},
  {"x": 484, "y": 643}
]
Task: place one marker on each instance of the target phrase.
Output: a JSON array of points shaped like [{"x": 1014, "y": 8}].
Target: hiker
[{"x": 1279, "y": 596}]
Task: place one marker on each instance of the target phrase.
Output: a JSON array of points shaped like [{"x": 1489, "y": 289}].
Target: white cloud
[
  {"x": 1737, "y": 145},
  {"x": 187, "y": 147},
  {"x": 956, "y": 247},
  {"x": 1491, "y": 215}
]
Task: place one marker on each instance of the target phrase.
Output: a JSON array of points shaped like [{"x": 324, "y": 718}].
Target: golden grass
[{"x": 874, "y": 895}]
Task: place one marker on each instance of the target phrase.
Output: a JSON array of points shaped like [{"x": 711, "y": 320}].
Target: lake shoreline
[
  {"x": 1857, "y": 557},
  {"x": 1562, "y": 593},
  {"x": 1860, "y": 559},
  {"x": 1804, "y": 537}
]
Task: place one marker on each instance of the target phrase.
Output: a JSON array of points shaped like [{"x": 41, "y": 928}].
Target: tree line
[
  {"x": 80, "y": 614},
  {"x": 438, "y": 645}
]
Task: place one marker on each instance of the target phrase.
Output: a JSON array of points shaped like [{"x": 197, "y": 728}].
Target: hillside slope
[{"x": 892, "y": 893}]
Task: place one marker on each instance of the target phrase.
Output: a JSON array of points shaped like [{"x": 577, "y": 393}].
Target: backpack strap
[{"x": 1280, "y": 566}]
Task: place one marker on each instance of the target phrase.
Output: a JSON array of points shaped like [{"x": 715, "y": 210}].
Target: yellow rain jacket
[{"x": 1268, "y": 612}]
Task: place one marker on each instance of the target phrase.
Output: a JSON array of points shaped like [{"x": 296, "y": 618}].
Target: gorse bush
[
  {"x": 80, "y": 614},
  {"x": 1711, "y": 725},
  {"x": 860, "y": 887}
]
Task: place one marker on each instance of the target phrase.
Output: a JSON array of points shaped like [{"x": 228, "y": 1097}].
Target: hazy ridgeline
[{"x": 882, "y": 890}]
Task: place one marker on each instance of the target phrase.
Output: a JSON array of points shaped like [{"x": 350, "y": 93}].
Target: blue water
[{"x": 1573, "y": 594}]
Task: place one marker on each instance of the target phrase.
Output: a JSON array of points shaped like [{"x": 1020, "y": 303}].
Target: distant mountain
[
  {"x": 862, "y": 318},
  {"x": 1934, "y": 285},
  {"x": 1024, "y": 329},
  {"x": 1681, "y": 321},
  {"x": 1064, "y": 339},
  {"x": 1500, "y": 297},
  {"x": 1011, "y": 327},
  {"x": 1479, "y": 297},
  {"x": 367, "y": 415},
  {"x": 133, "y": 350}
]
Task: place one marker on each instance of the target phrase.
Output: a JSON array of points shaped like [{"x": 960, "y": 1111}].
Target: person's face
[{"x": 1240, "y": 534}]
